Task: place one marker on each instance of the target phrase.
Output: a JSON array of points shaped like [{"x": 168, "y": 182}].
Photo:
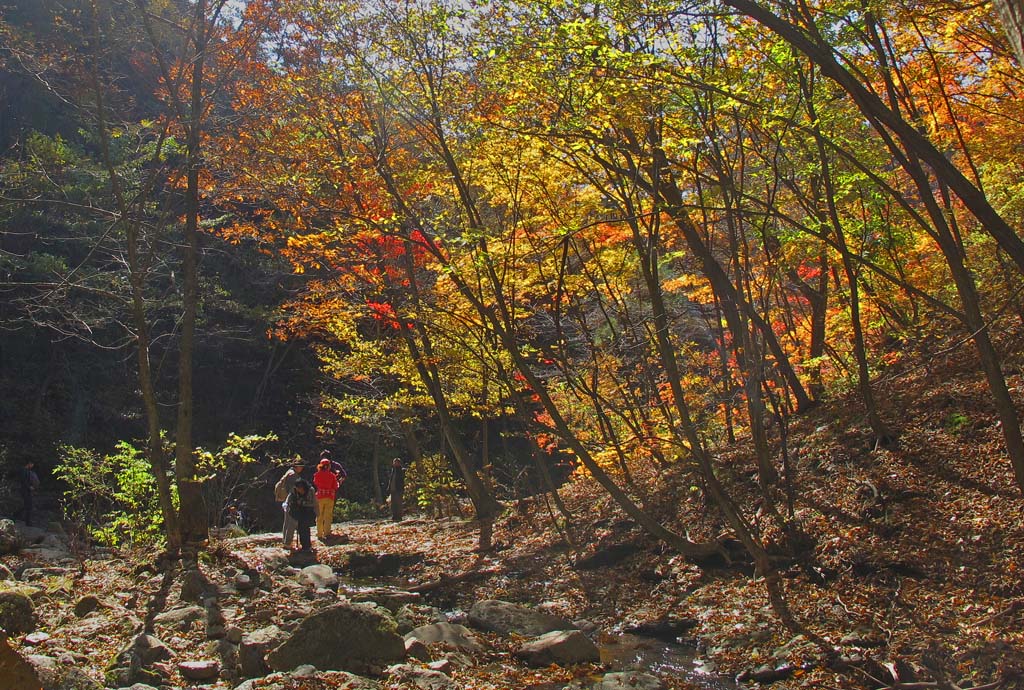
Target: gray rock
[
  {"x": 10, "y": 540},
  {"x": 139, "y": 686},
  {"x": 339, "y": 679},
  {"x": 414, "y": 677},
  {"x": 245, "y": 582},
  {"x": 86, "y": 605},
  {"x": 416, "y": 649},
  {"x": 233, "y": 634},
  {"x": 143, "y": 652},
  {"x": 345, "y": 637},
  {"x": 52, "y": 549},
  {"x": 38, "y": 574},
  {"x": 503, "y": 617},
  {"x": 319, "y": 576},
  {"x": 206, "y": 669},
  {"x": 628, "y": 680},
  {"x": 194, "y": 585},
  {"x": 36, "y": 638},
  {"x": 390, "y": 598},
  {"x": 254, "y": 648},
  {"x": 56, "y": 676},
  {"x": 16, "y": 613},
  {"x": 179, "y": 616},
  {"x": 412, "y": 616},
  {"x": 562, "y": 647},
  {"x": 448, "y": 634}
]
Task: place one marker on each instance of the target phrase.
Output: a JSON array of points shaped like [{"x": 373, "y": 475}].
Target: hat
[{"x": 324, "y": 463}]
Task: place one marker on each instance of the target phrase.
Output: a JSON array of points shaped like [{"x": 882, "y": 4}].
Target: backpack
[{"x": 281, "y": 489}]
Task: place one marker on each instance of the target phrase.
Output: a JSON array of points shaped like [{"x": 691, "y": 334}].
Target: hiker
[
  {"x": 302, "y": 509},
  {"x": 336, "y": 467},
  {"x": 327, "y": 484},
  {"x": 396, "y": 487},
  {"x": 282, "y": 490},
  {"x": 28, "y": 482}
]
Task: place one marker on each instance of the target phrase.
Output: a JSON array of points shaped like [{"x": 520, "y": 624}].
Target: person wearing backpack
[
  {"x": 302, "y": 509},
  {"x": 282, "y": 492}
]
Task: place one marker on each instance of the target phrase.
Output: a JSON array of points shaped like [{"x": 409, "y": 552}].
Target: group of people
[{"x": 305, "y": 504}]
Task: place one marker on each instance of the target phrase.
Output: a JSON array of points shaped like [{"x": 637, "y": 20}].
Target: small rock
[
  {"x": 409, "y": 676},
  {"x": 448, "y": 634},
  {"x": 319, "y": 576},
  {"x": 180, "y": 616},
  {"x": 10, "y": 541},
  {"x": 244, "y": 582},
  {"x": 207, "y": 669},
  {"x": 35, "y": 638},
  {"x": 37, "y": 574},
  {"x": 416, "y": 649},
  {"x": 193, "y": 585},
  {"x": 233, "y": 634},
  {"x": 628, "y": 680},
  {"x": 766, "y": 674},
  {"x": 86, "y": 605},
  {"x": 255, "y": 646}
]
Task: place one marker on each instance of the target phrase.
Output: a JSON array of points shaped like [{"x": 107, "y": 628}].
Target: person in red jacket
[{"x": 326, "y": 483}]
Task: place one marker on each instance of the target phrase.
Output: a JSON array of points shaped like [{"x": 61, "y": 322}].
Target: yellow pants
[{"x": 324, "y": 517}]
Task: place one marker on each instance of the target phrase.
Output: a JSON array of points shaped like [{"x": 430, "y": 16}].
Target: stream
[{"x": 625, "y": 652}]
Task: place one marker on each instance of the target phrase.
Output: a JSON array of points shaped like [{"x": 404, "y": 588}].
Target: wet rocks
[
  {"x": 319, "y": 576},
  {"x": 562, "y": 647}
]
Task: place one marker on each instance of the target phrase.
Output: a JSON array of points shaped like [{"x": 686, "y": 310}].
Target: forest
[{"x": 702, "y": 317}]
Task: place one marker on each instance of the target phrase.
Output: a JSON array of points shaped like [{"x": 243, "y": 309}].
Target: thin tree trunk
[{"x": 192, "y": 524}]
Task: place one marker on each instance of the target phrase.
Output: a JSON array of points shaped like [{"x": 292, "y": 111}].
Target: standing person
[
  {"x": 282, "y": 491},
  {"x": 396, "y": 488},
  {"x": 28, "y": 482},
  {"x": 327, "y": 484},
  {"x": 302, "y": 508}
]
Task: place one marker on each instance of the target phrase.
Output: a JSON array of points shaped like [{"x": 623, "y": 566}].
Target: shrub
[{"x": 114, "y": 497}]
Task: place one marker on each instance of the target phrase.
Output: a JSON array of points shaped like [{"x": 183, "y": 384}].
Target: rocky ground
[{"x": 907, "y": 573}]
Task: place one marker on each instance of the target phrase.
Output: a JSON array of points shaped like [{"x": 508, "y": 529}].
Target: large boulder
[
  {"x": 448, "y": 634},
  {"x": 16, "y": 613},
  {"x": 504, "y": 617},
  {"x": 345, "y": 637},
  {"x": 561, "y": 647},
  {"x": 254, "y": 648}
]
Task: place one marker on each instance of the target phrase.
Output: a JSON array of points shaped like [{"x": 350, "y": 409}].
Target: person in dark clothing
[
  {"x": 28, "y": 482},
  {"x": 396, "y": 489},
  {"x": 302, "y": 509}
]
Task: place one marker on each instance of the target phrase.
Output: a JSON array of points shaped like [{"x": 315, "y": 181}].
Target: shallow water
[{"x": 625, "y": 652}]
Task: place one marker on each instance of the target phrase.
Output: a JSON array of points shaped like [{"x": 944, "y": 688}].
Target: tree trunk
[
  {"x": 192, "y": 521},
  {"x": 1011, "y": 14}
]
